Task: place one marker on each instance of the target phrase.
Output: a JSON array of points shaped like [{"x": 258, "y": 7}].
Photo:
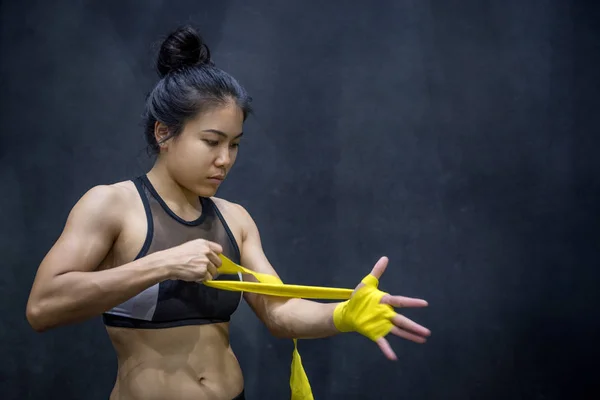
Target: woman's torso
[{"x": 170, "y": 346}]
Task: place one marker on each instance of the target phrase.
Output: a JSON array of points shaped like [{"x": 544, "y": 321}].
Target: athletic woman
[{"x": 137, "y": 252}]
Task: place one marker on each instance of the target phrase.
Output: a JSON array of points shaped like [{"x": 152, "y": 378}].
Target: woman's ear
[{"x": 161, "y": 133}]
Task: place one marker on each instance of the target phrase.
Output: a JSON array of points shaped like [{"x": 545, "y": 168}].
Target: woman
[{"x": 138, "y": 251}]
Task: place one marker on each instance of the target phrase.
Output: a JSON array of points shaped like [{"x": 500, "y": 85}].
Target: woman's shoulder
[
  {"x": 234, "y": 213},
  {"x": 229, "y": 208},
  {"x": 107, "y": 199},
  {"x": 117, "y": 193}
]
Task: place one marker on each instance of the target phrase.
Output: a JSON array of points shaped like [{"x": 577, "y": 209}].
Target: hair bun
[{"x": 183, "y": 47}]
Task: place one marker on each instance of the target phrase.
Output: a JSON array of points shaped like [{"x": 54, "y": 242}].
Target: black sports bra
[{"x": 173, "y": 302}]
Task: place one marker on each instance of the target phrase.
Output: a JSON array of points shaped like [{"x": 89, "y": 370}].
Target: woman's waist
[
  {"x": 192, "y": 360},
  {"x": 199, "y": 346},
  {"x": 170, "y": 379}
]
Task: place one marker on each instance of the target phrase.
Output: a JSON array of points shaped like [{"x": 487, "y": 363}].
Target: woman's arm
[
  {"x": 66, "y": 287},
  {"x": 301, "y": 319},
  {"x": 284, "y": 317}
]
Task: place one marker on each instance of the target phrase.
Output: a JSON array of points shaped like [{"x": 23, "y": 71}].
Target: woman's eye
[
  {"x": 211, "y": 142},
  {"x": 235, "y": 145}
]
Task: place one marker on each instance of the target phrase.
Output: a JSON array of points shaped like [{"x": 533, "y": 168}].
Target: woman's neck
[{"x": 177, "y": 197}]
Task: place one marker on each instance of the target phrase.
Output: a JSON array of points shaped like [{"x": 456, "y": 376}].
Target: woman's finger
[
  {"x": 403, "y": 302},
  {"x": 407, "y": 335},
  {"x": 212, "y": 270},
  {"x": 214, "y": 258},
  {"x": 408, "y": 325},
  {"x": 385, "y": 347}
]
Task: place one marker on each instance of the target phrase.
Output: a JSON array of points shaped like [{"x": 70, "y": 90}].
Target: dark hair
[{"x": 189, "y": 83}]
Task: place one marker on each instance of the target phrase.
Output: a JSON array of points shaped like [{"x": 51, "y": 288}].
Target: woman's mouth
[{"x": 216, "y": 179}]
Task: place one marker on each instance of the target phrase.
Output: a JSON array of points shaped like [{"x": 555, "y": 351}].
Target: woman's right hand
[{"x": 193, "y": 261}]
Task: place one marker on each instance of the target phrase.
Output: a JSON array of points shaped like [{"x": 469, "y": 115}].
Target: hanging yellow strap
[
  {"x": 363, "y": 314},
  {"x": 271, "y": 285},
  {"x": 299, "y": 383}
]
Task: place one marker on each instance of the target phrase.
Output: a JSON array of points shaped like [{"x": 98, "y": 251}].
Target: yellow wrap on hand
[
  {"x": 364, "y": 313},
  {"x": 361, "y": 313}
]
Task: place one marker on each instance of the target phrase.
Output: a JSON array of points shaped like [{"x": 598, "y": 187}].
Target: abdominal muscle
[{"x": 185, "y": 362}]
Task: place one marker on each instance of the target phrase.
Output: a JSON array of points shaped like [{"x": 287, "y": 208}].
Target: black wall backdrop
[{"x": 456, "y": 137}]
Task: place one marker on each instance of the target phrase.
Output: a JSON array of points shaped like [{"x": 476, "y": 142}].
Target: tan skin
[{"x": 90, "y": 269}]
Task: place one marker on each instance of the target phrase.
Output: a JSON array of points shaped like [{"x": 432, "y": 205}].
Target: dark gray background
[{"x": 456, "y": 137}]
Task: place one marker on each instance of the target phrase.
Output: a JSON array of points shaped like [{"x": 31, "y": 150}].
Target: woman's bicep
[{"x": 253, "y": 258}]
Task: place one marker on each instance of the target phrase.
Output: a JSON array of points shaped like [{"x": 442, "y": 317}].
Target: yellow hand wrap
[{"x": 363, "y": 313}]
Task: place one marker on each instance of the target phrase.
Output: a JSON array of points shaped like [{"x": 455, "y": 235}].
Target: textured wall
[{"x": 457, "y": 138}]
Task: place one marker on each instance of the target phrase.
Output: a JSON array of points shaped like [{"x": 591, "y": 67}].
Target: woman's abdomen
[{"x": 187, "y": 362}]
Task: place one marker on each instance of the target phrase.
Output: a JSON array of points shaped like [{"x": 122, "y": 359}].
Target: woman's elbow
[
  {"x": 278, "y": 329},
  {"x": 36, "y": 316},
  {"x": 278, "y": 333}
]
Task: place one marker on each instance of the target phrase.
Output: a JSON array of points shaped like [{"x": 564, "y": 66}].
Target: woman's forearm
[
  {"x": 304, "y": 319},
  {"x": 76, "y": 296}
]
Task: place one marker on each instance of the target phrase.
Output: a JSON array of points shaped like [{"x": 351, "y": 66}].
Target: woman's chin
[{"x": 206, "y": 190}]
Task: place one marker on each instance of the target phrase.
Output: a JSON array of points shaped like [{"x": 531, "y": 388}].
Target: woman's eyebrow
[{"x": 220, "y": 133}]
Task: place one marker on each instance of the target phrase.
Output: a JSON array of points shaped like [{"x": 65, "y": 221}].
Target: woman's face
[{"x": 200, "y": 158}]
